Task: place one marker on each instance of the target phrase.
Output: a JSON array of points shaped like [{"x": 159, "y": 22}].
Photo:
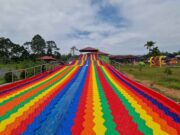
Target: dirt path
[{"x": 170, "y": 93}]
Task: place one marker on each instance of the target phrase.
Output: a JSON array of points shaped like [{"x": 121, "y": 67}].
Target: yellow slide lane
[{"x": 99, "y": 128}]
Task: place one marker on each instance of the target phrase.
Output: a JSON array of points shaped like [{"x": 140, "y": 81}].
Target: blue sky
[{"x": 114, "y": 26}]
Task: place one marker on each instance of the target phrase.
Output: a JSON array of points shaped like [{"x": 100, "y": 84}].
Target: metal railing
[
  {"x": 115, "y": 64},
  {"x": 20, "y": 74}
]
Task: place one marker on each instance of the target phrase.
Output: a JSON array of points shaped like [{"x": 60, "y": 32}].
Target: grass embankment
[
  {"x": 155, "y": 78},
  {"x": 105, "y": 59},
  {"x": 15, "y": 66},
  {"x": 155, "y": 74},
  {"x": 19, "y": 65}
]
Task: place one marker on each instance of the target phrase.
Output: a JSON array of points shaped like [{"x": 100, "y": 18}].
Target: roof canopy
[
  {"x": 123, "y": 56},
  {"x": 102, "y": 53},
  {"x": 89, "y": 49},
  {"x": 47, "y": 58},
  {"x": 177, "y": 56}
]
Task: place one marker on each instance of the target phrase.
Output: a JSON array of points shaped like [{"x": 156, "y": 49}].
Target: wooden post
[
  {"x": 34, "y": 70},
  {"x": 45, "y": 67},
  {"x": 12, "y": 76},
  {"x": 41, "y": 68},
  {"x": 25, "y": 70}
]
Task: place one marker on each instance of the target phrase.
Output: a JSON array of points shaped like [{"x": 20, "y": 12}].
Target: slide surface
[{"x": 86, "y": 97}]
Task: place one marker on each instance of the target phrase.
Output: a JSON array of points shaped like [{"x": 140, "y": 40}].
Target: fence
[
  {"x": 115, "y": 64},
  {"x": 20, "y": 74}
]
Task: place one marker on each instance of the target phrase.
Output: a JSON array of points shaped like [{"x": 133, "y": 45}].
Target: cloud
[{"x": 115, "y": 26}]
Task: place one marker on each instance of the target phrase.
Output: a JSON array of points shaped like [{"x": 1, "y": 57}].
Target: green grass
[
  {"x": 105, "y": 59},
  {"x": 2, "y": 81},
  {"x": 19, "y": 65},
  {"x": 155, "y": 75}
]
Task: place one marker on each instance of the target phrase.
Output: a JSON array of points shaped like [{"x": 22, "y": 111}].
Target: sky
[{"x": 113, "y": 26}]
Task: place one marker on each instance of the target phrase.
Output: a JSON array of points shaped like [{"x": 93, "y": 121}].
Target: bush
[
  {"x": 141, "y": 65},
  {"x": 23, "y": 74},
  {"x": 30, "y": 72},
  {"x": 8, "y": 77}
]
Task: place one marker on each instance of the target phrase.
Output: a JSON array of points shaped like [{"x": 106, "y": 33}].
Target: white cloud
[{"x": 157, "y": 20}]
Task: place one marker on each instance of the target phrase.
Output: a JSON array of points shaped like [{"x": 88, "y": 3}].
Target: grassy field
[{"x": 155, "y": 75}]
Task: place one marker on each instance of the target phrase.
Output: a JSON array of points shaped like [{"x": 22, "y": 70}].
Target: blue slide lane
[
  {"x": 39, "y": 120},
  {"x": 60, "y": 110},
  {"x": 65, "y": 127}
]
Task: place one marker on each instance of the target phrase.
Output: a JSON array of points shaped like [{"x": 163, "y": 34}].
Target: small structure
[
  {"x": 88, "y": 49},
  {"x": 47, "y": 58},
  {"x": 178, "y": 58},
  {"x": 157, "y": 61},
  {"x": 173, "y": 60},
  {"x": 125, "y": 58}
]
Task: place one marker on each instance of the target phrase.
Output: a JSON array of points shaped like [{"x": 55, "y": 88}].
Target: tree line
[
  {"x": 154, "y": 50},
  {"x": 33, "y": 49}
]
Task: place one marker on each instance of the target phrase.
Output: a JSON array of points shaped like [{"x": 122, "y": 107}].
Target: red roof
[
  {"x": 88, "y": 49},
  {"x": 102, "y": 53},
  {"x": 123, "y": 56},
  {"x": 47, "y": 58}
]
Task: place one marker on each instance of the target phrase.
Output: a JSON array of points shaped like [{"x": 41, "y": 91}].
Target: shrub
[
  {"x": 23, "y": 74},
  {"x": 141, "y": 65},
  {"x": 8, "y": 77}
]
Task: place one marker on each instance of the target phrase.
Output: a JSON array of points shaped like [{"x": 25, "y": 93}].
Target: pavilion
[
  {"x": 88, "y": 50},
  {"x": 102, "y": 53},
  {"x": 47, "y": 58}
]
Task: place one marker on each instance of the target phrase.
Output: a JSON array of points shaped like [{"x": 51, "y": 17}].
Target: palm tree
[{"x": 149, "y": 45}]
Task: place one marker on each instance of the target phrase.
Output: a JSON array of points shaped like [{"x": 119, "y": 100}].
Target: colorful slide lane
[{"x": 88, "y": 98}]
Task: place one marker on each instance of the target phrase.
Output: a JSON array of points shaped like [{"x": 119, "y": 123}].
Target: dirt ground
[{"x": 170, "y": 93}]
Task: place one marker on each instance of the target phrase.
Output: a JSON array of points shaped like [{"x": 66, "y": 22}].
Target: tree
[
  {"x": 25, "y": 54},
  {"x": 155, "y": 51},
  {"x": 16, "y": 50},
  {"x": 49, "y": 51},
  {"x": 5, "y": 47},
  {"x": 51, "y": 47},
  {"x": 57, "y": 54},
  {"x": 38, "y": 45},
  {"x": 149, "y": 45},
  {"x": 27, "y": 46}
]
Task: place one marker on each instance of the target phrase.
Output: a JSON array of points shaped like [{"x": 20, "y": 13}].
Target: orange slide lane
[
  {"x": 17, "y": 124},
  {"x": 16, "y": 101},
  {"x": 88, "y": 123},
  {"x": 30, "y": 84}
]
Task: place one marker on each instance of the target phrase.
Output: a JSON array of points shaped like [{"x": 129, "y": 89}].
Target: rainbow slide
[{"x": 86, "y": 97}]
